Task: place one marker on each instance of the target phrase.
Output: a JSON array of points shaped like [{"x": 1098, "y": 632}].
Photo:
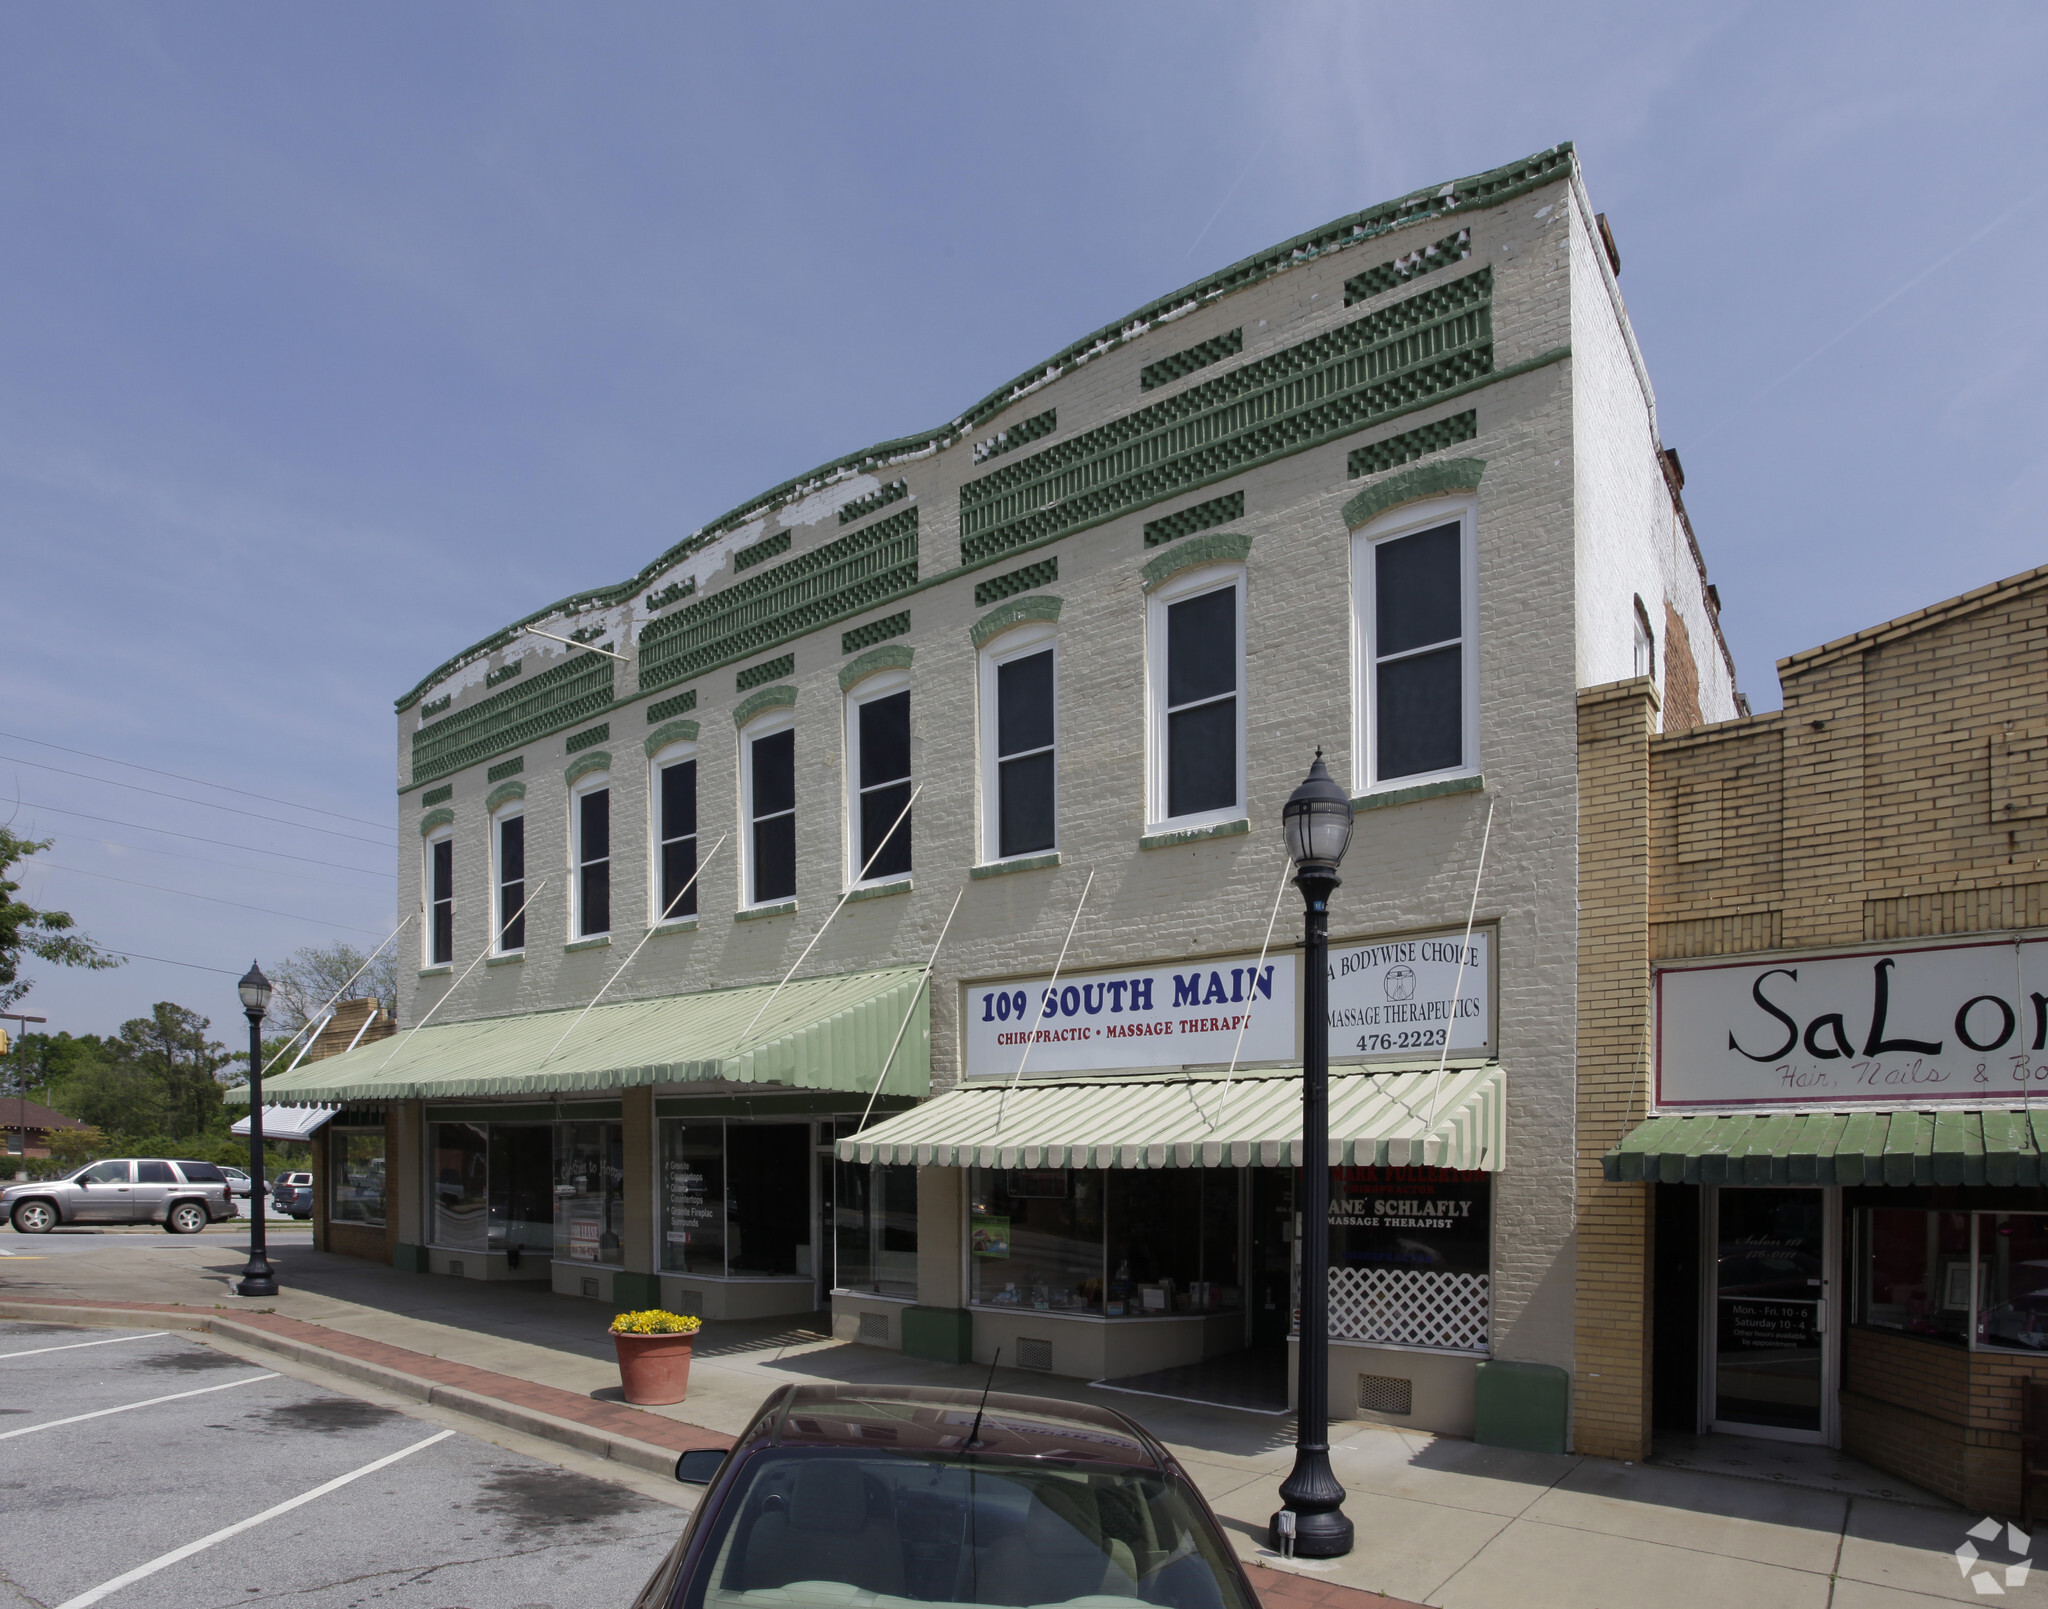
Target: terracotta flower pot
[{"x": 654, "y": 1369}]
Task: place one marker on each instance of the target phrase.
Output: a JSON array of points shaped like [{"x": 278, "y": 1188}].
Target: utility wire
[
  {"x": 226, "y": 972},
  {"x": 261, "y": 910},
  {"x": 201, "y": 781},
  {"x": 209, "y": 860},
  {"x": 218, "y": 843},
  {"x": 203, "y": 804}
]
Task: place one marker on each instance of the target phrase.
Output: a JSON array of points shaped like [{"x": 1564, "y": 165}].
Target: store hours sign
[{"x": 1904, "y": 1026}]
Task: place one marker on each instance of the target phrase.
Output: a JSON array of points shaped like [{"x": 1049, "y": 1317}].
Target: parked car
[
  {"x": 239, "y": 1181},
  {"x": 298, "y": 1203},
  {"x": 182, "y": 1196},
  {"x": 838, "y": 1494},
  {"x": 283, "y": 1185}
]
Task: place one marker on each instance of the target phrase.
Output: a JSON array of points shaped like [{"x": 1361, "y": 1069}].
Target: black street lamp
[
  {"x": 1317, "y": 824},
  {"x": 257, "y": 1278}
]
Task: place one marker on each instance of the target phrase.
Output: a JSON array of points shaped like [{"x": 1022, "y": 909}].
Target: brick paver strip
[{"x": 1282, "y": 1589}]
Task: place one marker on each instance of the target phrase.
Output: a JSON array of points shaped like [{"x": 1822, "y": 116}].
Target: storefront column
[
  {"x": 405, "y": 1198},
  {"x": 637, "y": 1284},
  {"x": 940, "y": 1327}
]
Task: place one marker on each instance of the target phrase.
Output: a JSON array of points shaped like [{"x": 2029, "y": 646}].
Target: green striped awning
[
  {"x": 1377, "y": 1119},
  {"x": 819, "y": 1033},
  {"x": 1992, "y": 1145}
]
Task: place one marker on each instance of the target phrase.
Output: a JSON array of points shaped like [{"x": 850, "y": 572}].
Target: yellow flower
[{"x": 656, "y": 1321}]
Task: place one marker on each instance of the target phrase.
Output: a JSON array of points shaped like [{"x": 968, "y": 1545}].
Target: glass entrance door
[{"x": 1772, "y": 1371}]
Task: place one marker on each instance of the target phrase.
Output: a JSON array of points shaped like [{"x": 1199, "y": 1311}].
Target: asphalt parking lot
[{"x": 125, "y": 1456}]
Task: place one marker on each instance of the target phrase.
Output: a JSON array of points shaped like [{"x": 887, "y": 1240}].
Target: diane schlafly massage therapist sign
[{"x": 1904, "y": 1026}]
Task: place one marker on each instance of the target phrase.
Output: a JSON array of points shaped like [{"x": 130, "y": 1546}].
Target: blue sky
[{"x": 337, "y": 337}]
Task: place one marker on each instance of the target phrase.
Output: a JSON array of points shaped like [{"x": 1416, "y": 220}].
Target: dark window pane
[
  {"x": 154, "y": 1173},
  {"x": 1025, "y": 817},
  {"x": 595, "y": 811},
  {"x": 678, "y": 866},
  {"x": 512, "y": 849},
  {"x": 679, "y": 799},
  {"x": 201, "y": 1173},
  {"x": 774, "y": 773},
  {"x": 1415, "y": 591},
  {"x": 1421, "y": 714},
  {"x": 444, "y": 869},
  {"x": 512, "y": 912},
  {"x": 774, "y": 859},
  {"x": 1201, "y": 758},
  {"x": 884, "y": 739},
  {"x": 595, "y": 906},
  {"x": 1201, "y": 647},
  {"x": 768, "y": 1207},
  {"x": 444, "y": 933},
  {"x": 878, "y": 809},
  {"x": 1024, "y": 704}
]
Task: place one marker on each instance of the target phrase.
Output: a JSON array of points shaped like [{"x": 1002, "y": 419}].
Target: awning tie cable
[
  {"x": 1244, "y": 1022},
  {"x": 1044, "y": 1000},
  {"x": 320, "y": 1015},
  {"x": 457, "y": 984},
  {"x": 923, "y": 978},
  {"x": 1464, "y": 960}
]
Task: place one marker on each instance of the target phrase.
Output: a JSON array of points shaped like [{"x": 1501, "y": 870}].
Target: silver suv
[{"x": 182, "y": 1196}]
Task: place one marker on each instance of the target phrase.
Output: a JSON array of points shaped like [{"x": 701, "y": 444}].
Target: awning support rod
[
  {"x": 1464, "y": 960},
  {"x": 1244, "y": 1022},
  {"x": 923, "y": 978},
  {"x": 1044, "y": 1000},
  {"x": 457, "y": 984},
  {"x": 332, "y": 999}
]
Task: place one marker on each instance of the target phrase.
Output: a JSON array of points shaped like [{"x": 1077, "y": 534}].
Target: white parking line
[
  {"x": 128, "y": 1407},
  {"x": 73, "y": 1346},
  {"x": 240, "y": 1526}
]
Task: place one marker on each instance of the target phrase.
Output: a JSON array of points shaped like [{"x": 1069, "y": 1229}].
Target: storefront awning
[
  {"x": 1377, "y": 1119},
  {"x": 819, "y": 1033},
  {"x": 1995, "y": 1146},
  {"x": 286, "y": 1122}
]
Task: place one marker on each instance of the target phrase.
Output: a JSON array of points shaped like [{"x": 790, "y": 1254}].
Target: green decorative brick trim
[
  {"x": 1410, "y": 445},
  {"x": 1422, "y": 790},
  {"x": 662, "y": 708},
  {"x": 1428, "y": 259},
  {"x": 1042, "y": 574},
  {"x": 1014, "y": 613},
  {"x": 504, "y": 673},
  {"x": 891, "y": 656},
  {"x": 1315, "y": 391},
  {"x": 632, "y": 1292},
  {"x": 1198, "y": 356},
  {"x": 1022, "y": 863},
  {"x": 900, "y": 885},
  {"x": 516, "y": 958},
  {"x": 746, "y": 558},
  {"x": 769, "y": 670},
  {"x": 577, "y": 742},
  {"x": 435, "y": 706},
  {"x": 1426, "y": 480},
  {"x": 861, "y": 507},
  {"x": 1223, "y": 547},
  {"x": 440, "y": 795},
  {"x": 504, "y": 793},
  {"x": 873, "y": 565},
  {"x": 1202, "y": 517},
  {"x": 785, "y": 907},
  {"x": 434, "y": 819},
  {"x": 670, "y": 732},
  {"x": 1018, "y": 435},
  {"x": 1194, "y": 835},
  {"x": 674, "y": 592},
  {"x": 768, "y": 698},
  {"x": 896, "y": 625},
  {"x": 600, "y": 941},
  {"x": 506, "y": 768},
  {"x": 563, "y": 694},
  {"x": 600, "y": 761}
]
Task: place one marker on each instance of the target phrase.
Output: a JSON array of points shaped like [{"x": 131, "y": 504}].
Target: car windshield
[{"x": 819, "y": 1528}]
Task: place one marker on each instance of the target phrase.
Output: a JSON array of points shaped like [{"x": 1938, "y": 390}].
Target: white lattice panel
[{"x": 1410, "y": 1307}]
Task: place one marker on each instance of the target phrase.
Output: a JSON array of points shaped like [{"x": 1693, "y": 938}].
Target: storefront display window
[
  {"x": 590, "y": 1207},
  {"x": 693, "y": 1198},
  {"x": 874, "y": 1228},
  {"x": 736, "y": 1198},
  {"x": 493, "y": 1186},
  {"x": 355, "y": 1172},
  {"x": 1172, "y": 1241},
  {"x": 1410, "y": 1257},
  {"x": 461, "y": 1153},
  {"x": 2012, "y": 1280},
  {"x": 1916, "y": 1271},
  {"x": 1035, "y": 1238}
]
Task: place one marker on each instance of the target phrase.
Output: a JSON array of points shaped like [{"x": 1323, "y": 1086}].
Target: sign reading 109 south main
[{"x": 1904, "y": 1026}]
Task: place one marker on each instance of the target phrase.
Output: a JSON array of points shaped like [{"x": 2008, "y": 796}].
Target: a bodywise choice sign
[
  {"x": 1399, "y": 997},
  {"x": 1903, "y": 1026},
  {"x": 1185, "y": 1015}
]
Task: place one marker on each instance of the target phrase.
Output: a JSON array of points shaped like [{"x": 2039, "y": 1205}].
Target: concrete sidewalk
[{"x": 1445, "y": 1522}]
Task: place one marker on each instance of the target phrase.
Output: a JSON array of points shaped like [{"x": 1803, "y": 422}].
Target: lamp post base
[
  {"x": 1327, "y": 1535},
  {"x": 258, "y": 1279},
  {"x": 1315, "y": 1504}
]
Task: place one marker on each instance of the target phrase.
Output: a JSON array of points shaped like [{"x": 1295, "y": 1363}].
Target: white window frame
[
  {"x": 440, "y": 835},
  {"x": 590, "y": 782},
  {"x": 1192, "y": 583},
  {"x": 662, "y": 758},
  {"x": 1643, "y": 638},
  {"x": 766, "y": 724},
  {"x": 504, "y": 813},
  {"x": 881, "y": 684},
  {"x": 1019, "y": 642},
  {"x": 1407, "y": 520}
]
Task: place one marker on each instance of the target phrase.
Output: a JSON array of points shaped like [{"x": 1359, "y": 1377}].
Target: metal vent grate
[
  {"x": 455, "y": 1268},
  {"x": 590, "y": 1286},
  {"x": 1034, "y": 1352},
  {"x": 1386, "y": 1393},
  {"x": 874, "y": 1327}
]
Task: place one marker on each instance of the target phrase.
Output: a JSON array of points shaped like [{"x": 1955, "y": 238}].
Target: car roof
[{"x": 938, "y": 1419}]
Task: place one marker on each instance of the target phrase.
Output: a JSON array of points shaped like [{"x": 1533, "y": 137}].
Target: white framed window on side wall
[
  {"x": 878, "y": 778},
  {"x": 439, "y": 867},
  {"x": 672, "y": 797},
  {"x": 768, "y": 809},
  {"x": 1416, "y": 598},
  {"x": 1020, "y": 743},
  {"x": 508, "y": 878},
  {"x": 590, "y": 856},
  {"x": 1194, "y": 668}
]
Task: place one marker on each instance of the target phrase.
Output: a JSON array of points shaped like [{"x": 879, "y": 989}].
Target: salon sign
[{"x": 1903, "y": 1026}]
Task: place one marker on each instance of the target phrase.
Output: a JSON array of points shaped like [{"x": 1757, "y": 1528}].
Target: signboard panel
[
  {"x": 1399, "y": 997},
  {"x": 1904, "y": 1026}
]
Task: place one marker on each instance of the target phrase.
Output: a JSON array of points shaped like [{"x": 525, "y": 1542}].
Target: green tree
[
  {"x": 25, "y": 931},
  {"x": 170, "y": 1047},
  {"x": 112, "y": 1094},
  {"x": 312, "y": 977}
]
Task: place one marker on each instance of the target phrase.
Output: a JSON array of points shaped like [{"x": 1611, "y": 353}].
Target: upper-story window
[
  {"x": 1019, "y": 724},
  {"x": 441, "y": 897},
  {"x": 1418, "y": 644},
  {"x": 878, "y": 767},
  {"x": 590, "y": 825},
  {"x": 768, "y": 803},
  {"x": 675, "y": 832},
  {"x": 1646, "y": 643},
  {"x": 508, "y": 831},
  {"x": 1195, "y": 644}
]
